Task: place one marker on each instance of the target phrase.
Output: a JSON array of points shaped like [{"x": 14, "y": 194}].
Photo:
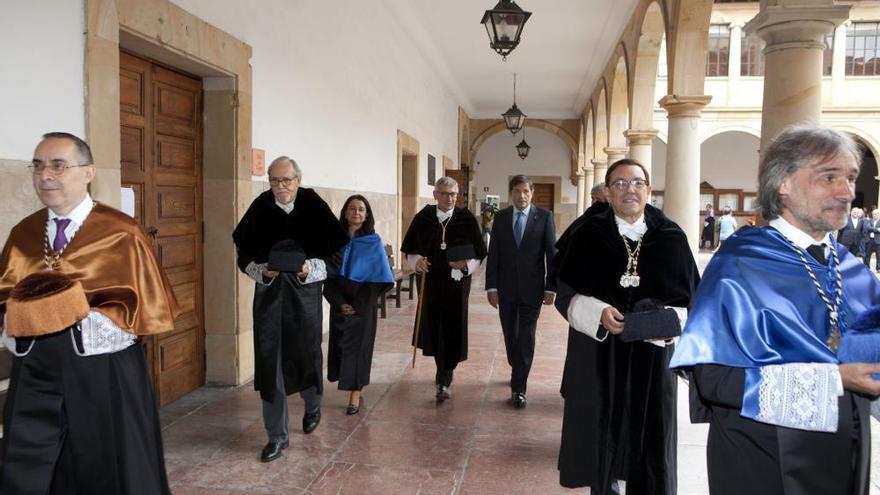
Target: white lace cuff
[
  {"x": 317, "y": 271},
  {"x": 101, "y": 336},
  {"x": 584, "y": 314},
  {"x": 255, "y": 272},
  {"x": 795, "y": 395}
]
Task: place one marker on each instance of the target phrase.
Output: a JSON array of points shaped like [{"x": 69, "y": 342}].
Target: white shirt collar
[
  {"x": 526, "y": 211},
  {"x": 286, "y": 207},
  {"x": 634, "y": 230},
  {"x": 800, "y": 238},
  {"x": 442, "y": 216},
  {"x": 78, "y": 214}
]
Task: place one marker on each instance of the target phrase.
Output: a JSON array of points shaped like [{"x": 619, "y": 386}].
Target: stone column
[
  {"x": 681, "y": 198},
  {"x": 795, "y": 37},
  {"x": 580, "y": 190},
  {"x": 640, "y": 143},
  {"x": 599, "y": 169},
  {"x": 589, "y": 182},
  {"x": 734, "y": 57},
  {"x": 838, "y": 63},
  {"x": 615, "y": 154}
]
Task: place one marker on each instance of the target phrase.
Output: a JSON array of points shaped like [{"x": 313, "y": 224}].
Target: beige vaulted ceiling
[{"x": 565, "y": 45}]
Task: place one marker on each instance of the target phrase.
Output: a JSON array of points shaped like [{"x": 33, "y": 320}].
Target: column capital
[
  {"x": 599, "y": 163},
  {"x": 783, "y": 26},
  {"x": 640, "y": 136},
  {"x": 684, "y": 106},
  {"x": 610, "y": 150},
  {"x": 580, "y": 173}
]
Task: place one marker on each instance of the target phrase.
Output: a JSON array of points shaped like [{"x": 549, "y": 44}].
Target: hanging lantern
[
  {"x": 504, "y": 25},
  {"x": 514, "y": 119},
  {"x": 522, "y": 149}
]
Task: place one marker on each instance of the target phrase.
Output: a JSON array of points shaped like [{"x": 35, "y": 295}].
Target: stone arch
[
  {"x": 729, "y": 159},
  {"x": 600, "y": 139},
  {"x": 867, "y": 190},
  {"x": 647, "y": 56},
  {"x": 686, "y": 47},
  {"x": 618, "y": 110},
  {"x": 745, "y": 129},
  {"x": 589, "y": 135},
  {"x": 534, "y": 123}
]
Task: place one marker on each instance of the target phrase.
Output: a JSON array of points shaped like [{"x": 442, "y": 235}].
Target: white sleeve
[
  {"x": 584, "y": 314},
  {"x": 317, "y": 271},
  {"x": 799, "y": 395},
  {"x": 100, "y": 335},
  {"x": 472, "y": 266},
  {"x": 255, "y": 272}
]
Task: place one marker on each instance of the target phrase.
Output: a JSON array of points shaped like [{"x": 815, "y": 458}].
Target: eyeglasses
[
  {"x": 285, "y": 181},
  {"x": 447, "y": 194},
  {"x": 56, "y": 168},
  {"x": 622, "y": 184}
]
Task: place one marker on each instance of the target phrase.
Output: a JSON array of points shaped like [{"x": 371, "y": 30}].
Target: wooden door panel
[
  {"x": 543, "y": 195},
  {"x": 161, "y": 112}
]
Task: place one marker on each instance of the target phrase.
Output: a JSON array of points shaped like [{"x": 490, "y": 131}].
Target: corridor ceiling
[{"x": 565, "y": 46}]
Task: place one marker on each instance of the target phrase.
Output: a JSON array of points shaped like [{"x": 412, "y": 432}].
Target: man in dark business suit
[
  {"x": 872, "y": 239},
  {"x": 518, "y": 278},
  {"x": 851, "y": 233}
]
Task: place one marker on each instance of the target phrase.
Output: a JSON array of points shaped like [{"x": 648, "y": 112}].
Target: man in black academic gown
[
  {"x": 619, "y": 419},
  {"x": 517, "y": 278},
  {"x": 287, "y": 305},
  {"x": 434, "y": 231}
]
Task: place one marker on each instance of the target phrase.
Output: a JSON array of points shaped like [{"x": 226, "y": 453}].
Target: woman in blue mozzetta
[{"x": 363, "y": 276}]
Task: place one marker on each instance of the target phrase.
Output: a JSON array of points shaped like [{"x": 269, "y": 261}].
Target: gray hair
[
  {"x": 600, "y": 187},
  {"x": 297, "y": 172},
  {"x": 794, "y": 148},
  {"x": 446, "y": 182}
]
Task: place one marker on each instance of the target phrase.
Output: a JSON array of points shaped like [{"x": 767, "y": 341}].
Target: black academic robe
[
  {"x": 350, "y": 350},
  {"x": 443, "y": 329},
  {"x": 620, "y": 417},
  {"x": 288, "y": 313}
]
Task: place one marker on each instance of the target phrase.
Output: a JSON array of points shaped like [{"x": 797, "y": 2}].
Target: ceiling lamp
[
  {"x": 504, "y": 25},
  {"x": 522, "y": 149},
  {"x": 513, "y": 117}
]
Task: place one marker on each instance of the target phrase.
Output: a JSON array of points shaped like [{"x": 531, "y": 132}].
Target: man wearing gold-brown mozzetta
[{"x": 78, "y": 284}]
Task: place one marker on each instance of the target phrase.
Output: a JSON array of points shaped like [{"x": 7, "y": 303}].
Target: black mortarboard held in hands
[
  {"x": 286, "y": 256},
  {"x": 650, "y": 320},
  {"x": 461, "y": 252}
]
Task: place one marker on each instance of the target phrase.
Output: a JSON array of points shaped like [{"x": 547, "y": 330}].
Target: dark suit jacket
[
  {"x": 869, "y": 227},
  {"x": 851, "y": 235},
  {"x": 520, "y": 274}
]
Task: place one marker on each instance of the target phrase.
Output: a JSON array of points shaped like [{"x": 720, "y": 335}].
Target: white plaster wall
[
  {"x": 41, "y": 72},
  {"x": 497, "y": 161},
  {"x": 332, "y": 84},
  {"x": 730, "y": 161}
]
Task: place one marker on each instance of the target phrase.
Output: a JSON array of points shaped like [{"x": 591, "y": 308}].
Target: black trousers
[
  {"x": 518, "y": 322},
  {"x": 871, "y": 248},
  {"x": 81, "y": 425}
]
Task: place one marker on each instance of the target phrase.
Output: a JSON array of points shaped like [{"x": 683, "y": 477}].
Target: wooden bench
[{"x": 401, "y": 276}]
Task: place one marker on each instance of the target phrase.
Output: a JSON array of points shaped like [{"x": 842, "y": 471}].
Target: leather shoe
[
  {"x": 272, "y": 450},
  {"x": 311, "y": 421},
  {"x": 442, "y": 393},
  {"x": 353, "y": 409},
  {"x": 519, "y": 400}
]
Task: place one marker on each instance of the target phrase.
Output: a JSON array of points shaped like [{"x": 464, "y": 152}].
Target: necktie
[
  {"x": 60, "y": 237},
  {"x": 818, "y": 251},
  {"x": 518, "y": 227}
]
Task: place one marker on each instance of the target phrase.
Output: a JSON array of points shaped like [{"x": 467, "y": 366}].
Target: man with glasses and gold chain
[
  {"x": 619, "y": 419},
  {"x": 436, "y": 234},
  {"x": 80, "y": 415},
  {"x": 295, "y": 222}
]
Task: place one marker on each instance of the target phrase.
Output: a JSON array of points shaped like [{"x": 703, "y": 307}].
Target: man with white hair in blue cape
[{"x": 788, "y": 414}]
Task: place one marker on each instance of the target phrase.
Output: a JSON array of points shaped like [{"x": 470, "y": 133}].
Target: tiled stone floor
[{"x": 403, "y": 442}]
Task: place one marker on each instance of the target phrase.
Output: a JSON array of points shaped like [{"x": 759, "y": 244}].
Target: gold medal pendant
[{"x": 443, "y": 246}]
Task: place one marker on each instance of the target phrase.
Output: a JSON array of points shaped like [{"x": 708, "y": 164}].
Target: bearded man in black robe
[
  {"x": 287, "y": 305},
  {"x": 436, "y": 231},
  {"x": 619, "y": 419}
]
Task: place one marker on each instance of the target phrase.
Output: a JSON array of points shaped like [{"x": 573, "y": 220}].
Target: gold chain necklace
[
  {"x": 54, "y": 260},
  {"x": 630, "y": 277}
]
